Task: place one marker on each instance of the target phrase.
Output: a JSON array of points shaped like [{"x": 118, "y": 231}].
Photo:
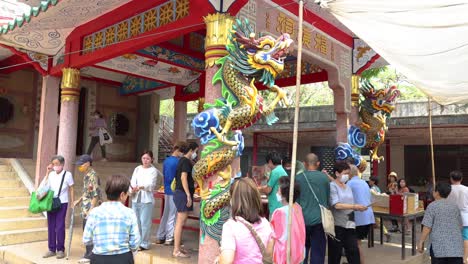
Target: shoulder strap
[
  {"x": 310, "y": 187},
  {"x": 254, "y": 234},
  {"x": 61, "y": 183}
]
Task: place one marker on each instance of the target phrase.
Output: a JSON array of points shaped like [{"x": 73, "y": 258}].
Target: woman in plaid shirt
[{"x": 113, "y": 228}]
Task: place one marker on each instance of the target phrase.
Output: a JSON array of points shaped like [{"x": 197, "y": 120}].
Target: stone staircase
[{"x": 17, "y": 224}]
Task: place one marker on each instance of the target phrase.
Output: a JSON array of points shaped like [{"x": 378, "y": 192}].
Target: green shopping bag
[{"x": 38, "y": 206}]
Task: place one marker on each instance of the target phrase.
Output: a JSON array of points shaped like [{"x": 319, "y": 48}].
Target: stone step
[
  {"x": 8, "y": 175},
  {"x": 7, "y": 183},
  {"x": 11, "y": 258},
  {"x": 17, "y": 212},
  {"x": 15, "y": 201},
  {"x": 22, "y": 236},
  {"x": 5, "y": 168},
  {"x": 13, "y": 192},
  {"x": 22, "y": 223}
]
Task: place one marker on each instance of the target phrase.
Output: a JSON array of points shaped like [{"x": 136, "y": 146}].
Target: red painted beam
[
  {"x": 368, "y": 64},
  {"x": 318, "y": 22},
  {"x": 291, "y": 81},
  {"x": 14, "y": 63},
  {"x": 26, "y": 59},
  {"x": 193, "y": 22}
]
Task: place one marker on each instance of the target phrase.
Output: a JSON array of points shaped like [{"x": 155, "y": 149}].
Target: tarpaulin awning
[{"x": 427, "y": 41}]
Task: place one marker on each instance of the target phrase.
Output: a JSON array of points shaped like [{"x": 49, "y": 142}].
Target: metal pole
[
  {"x": 296, "y": 118},
  {"x": 432, "y": 142}
]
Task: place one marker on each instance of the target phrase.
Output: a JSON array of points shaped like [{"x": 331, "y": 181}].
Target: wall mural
[
  {"x": 250, "y": 59},
  {"x": 132, "y": 85},
  {"x": 142, "y": 66},
  {"x": 176, "y": 58}
]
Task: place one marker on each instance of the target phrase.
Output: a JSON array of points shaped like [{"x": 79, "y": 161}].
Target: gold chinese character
[
  {"x": 285, "y": 25},
  {"x": 307, "y": 38},
  {"x": 321, "y": 43}
]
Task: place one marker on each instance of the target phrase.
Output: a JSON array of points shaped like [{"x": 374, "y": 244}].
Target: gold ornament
[
  {"x": 355, "y": 90},
  {"x": 201, "y": 102},
  {"x": 70, "y": 85},
  {"x": 218, "y": 28}
]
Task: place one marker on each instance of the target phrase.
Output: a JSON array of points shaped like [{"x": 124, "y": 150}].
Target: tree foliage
[
  {"x": 387, "y": 76},
  {"x": 317, "y": 94}
]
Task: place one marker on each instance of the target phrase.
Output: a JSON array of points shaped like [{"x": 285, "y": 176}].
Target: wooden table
[
  {"x": 402, "y": 218},
  {"x": 160, "y": 195}
]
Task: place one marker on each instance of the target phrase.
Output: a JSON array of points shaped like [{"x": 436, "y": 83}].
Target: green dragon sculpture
[
  {"x": 376, "y": 106},
  {"x": 249, "y": 60}
]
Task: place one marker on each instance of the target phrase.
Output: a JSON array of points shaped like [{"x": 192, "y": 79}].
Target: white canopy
[{"x": 426, "y": 40}]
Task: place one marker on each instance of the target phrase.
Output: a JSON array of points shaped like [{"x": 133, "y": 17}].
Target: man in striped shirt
[{"x": 113, "y": 228}]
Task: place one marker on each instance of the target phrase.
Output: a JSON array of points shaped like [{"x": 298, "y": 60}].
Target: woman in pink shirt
[{"x": 238, "y": 242}]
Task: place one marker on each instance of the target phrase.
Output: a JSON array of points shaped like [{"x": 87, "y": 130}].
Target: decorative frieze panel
[{"x": 153, "y": 18}]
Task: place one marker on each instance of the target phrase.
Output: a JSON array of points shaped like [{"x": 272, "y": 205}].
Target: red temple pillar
[{"x": 218, "y": 28}]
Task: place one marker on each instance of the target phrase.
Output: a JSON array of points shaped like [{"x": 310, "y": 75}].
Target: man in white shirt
[{"x": 459, "y": 196}]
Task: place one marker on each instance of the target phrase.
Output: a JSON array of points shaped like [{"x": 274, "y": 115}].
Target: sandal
[
  {"x": 185, "y": 251},
  {"x": 180, "y": 254}
]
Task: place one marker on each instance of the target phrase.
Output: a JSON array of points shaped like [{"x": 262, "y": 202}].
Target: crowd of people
[{"x": 113, "y": 232}]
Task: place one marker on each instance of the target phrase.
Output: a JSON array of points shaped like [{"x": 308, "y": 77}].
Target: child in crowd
[{"x": 279, "y": 222}]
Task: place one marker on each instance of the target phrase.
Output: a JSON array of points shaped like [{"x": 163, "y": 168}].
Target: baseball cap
[{"x": 83, "y": 159}]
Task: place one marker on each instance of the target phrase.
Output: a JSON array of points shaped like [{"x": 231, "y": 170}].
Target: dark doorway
[
  {"x": 81, "y": 122},
  {"x": 418, "y": 169}
]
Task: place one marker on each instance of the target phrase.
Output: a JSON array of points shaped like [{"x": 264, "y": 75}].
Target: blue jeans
[
  {"x": 315, "y": 244},
  {"x": 144, "y": 214},
  {"x": 167, "y": 224}
]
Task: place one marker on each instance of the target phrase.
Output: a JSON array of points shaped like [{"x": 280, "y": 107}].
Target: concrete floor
[{"x": 29, "y": 253}]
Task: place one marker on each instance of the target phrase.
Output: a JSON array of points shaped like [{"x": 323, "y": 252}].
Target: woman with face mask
[
  {"x": 142, "y": 187},
  {"x": 61, "y": 182},
  {"x": 99, "y": 122},
  {"x": 183, "y": 194},
  {"x": 342, "y": 206}
]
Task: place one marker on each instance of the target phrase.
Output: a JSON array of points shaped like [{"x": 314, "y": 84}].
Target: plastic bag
[
  {"x": 43, "y": 188},
  {"x": 44, "y": 205},
  {"x": 104, "y": 137}
]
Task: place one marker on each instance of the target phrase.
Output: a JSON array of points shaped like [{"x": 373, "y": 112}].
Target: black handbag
[{"x": 56, "y": 203}]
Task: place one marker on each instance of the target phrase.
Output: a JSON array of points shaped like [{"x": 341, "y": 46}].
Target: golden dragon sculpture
[
  {"x": 249, "y": 60},
  {"x": 376, "y": 106}
]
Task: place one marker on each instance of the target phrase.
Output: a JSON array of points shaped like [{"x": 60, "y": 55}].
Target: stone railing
[{"x": 406, "y": 113}]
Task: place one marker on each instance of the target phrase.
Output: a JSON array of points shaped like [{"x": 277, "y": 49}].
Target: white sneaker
[{"x": 84, "y": 261}]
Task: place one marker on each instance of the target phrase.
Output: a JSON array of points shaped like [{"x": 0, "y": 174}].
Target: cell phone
[{"x": 370, "y": 205}]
